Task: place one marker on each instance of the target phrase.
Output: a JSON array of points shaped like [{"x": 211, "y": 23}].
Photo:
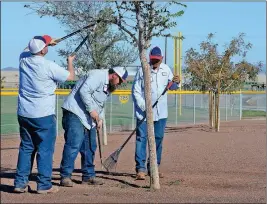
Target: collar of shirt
[
  {"x": 155, "y": 71},
  {"x": 37, "y": 56}
]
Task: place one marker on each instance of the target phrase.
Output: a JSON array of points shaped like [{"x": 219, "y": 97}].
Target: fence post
[
  {"x": 194, "y": 104},
  {"x": 240, "y": 105},
  {"x": 226, "y": 118},
  {"x": 110, "y": 115},
  {"x": 57, "y": 113},
  {"x": 201, "y": 101},
  {"x": 231, "y": 105},
  {"x": 176, "y": 108},
  {"x": 133, "y": 117},
  {"x": 257, "y": 103},
  {"x": 104, "y": 133}
]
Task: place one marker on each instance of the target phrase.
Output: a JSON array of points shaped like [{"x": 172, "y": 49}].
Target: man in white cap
[
  {"x": 82, "y": 114},
  {"x": 36, "y": 112},
  {"x": 161, "y": 75}
]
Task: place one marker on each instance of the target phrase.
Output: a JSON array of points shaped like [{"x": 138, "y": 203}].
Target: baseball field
[{"x": 200, "y": 166}]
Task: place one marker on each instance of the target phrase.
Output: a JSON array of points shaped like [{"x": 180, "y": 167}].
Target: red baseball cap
[{"x": 48, "y": 39}]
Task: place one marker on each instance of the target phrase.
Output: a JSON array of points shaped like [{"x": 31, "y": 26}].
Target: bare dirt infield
[{"x": 200, "y": 166}]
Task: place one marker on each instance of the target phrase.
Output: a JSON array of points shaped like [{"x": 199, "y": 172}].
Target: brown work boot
[
  {"x": 93, "y": 181},
  {"x": 66, "y": 182},
  {"x": 140, "y": 176},
  {"x": 53, "y": 189}
]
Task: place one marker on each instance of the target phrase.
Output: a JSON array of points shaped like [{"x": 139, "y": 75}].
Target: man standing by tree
[
  {"x": 82, "y": 114},
  {"x": 36, "y": 112},
  {"x": 161, "y": 75}
]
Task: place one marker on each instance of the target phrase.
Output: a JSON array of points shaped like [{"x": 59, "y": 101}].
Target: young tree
[
  {"x": 216, "y": 73},
  {"x": 142, "y": 21}
]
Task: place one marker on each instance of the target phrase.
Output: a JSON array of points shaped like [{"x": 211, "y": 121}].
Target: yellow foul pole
[
  {"x": 175, "y": 56},
  {"x": 175, "y": 71},
  {"x": 180, "y": 69}
]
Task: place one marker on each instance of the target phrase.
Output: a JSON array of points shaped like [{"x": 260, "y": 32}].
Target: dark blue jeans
[
  {"x": 141, "y": 144},
  {"x": 77, "y": 139},
  {"x": 36, "y": 134}
]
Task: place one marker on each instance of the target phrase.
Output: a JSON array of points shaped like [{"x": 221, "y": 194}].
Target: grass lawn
[
  {"x": 122, "y": 114},
  {"x": 253, "y": 113}
]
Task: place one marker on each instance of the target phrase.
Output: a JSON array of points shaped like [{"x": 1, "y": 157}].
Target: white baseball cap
[
  {"x": 38, "y": 43},
  {"x": 122, "y": 72}
]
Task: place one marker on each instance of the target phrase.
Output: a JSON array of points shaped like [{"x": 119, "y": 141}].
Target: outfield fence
[{"x": 184, "y": 107}]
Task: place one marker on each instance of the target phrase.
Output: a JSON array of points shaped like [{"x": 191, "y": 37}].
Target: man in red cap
[
  {"x": 36, "y": 112},
  {"x": 161, "y": 75}
]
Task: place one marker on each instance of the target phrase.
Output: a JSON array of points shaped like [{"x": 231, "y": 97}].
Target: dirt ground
[{"x": 200, "y": 166}]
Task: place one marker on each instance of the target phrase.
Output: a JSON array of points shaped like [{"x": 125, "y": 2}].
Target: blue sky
[{"x": 227, "y": 19}]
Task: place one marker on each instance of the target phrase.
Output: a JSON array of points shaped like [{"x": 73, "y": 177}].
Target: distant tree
[
  {"x": 216, "y": 73},
  {"x": 2, "y": 82}
]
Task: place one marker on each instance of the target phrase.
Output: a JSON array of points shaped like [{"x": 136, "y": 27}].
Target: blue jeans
[
  {"x": 36, "y": 134},
  {"x": 77, "y": 139},
  {"x": 141, "y": 143}
]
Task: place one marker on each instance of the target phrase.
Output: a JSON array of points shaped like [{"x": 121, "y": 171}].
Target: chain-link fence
[
  {"x": 186, "y": 107},
  {"x": 182, "y": 109}
]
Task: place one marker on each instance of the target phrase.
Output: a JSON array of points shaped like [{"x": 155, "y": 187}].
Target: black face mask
[{"x": 154, "y": 61}]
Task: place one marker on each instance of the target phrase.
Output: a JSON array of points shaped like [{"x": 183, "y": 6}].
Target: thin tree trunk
[
  {"x": 217, "y": 107},
  {"x": 211, "y": 109},
  {"x": 154, "y": 174},
  {"x": 216, "y": 111}
]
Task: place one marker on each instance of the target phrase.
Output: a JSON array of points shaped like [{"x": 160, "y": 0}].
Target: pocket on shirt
[{"x": 164, "y": 74}]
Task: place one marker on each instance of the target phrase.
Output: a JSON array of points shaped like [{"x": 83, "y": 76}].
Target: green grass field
[
  {"x": 122, "y": 114},
  {"x": 253, "y": 113}
]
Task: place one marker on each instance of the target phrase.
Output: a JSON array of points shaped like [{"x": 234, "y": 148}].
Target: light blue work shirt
[
  {"x": 37, "y": 84},
  {"x": 159, "y": 80},
  {"x": 90, "y": 93}
]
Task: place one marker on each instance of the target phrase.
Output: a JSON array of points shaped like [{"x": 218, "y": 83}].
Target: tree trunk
[
  {"x": 154, "y": 175},
  {"x": 217, "y": 108},
  {"x": 216, "y": 111},
  {"x": 211, "y": 109}
]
